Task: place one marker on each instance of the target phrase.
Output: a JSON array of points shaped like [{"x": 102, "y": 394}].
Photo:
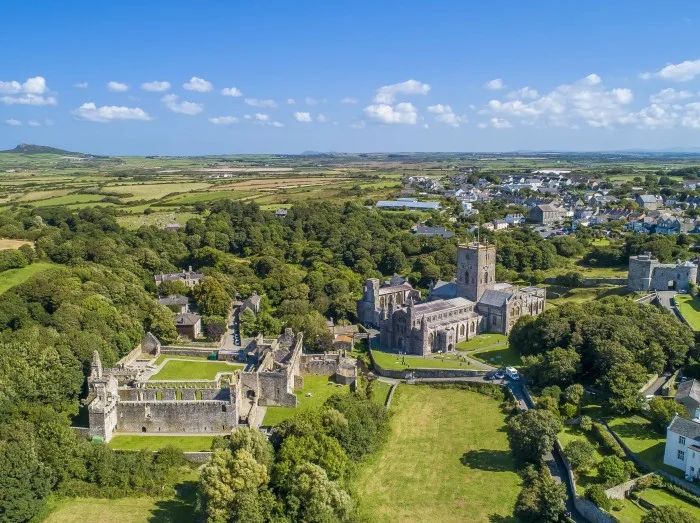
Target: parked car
[
  {"x": 512, "y": 373},
  {"x": 500, "y": 374}
]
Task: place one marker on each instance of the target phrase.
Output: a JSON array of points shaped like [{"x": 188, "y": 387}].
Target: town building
[
  {"x": 188, "y": 277},
  {"x": 176, "y": 303},
  {"x": 546, "y": 214},
  {"x": 648, "y": 201},
  {"x": 455, "y": 311},
  {"x": 408, "y": 203},
  {"x": 682, "y": 449},
  {"x": 188, "y": 325},
  {"x": 646, "y": 273},
  {"x": 424, "y": 230}
]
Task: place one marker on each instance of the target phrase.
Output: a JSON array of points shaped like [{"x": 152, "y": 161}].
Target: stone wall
[
  {"x": 129, "y": 358},
  {"x": 593, "y": 282},
  {"x": 425, "y": 373},
  {"x": 620, "y": 491},
  {"x": 176, "y": 416},
  {"x": 685, "y": 485},
  {"x": 197, "y": 457},
  {"x": 319, "y": 364},
  {"x": 188, "y": 351}
]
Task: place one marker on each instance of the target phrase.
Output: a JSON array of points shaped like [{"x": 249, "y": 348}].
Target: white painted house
[{"x": 683, "y": 435}]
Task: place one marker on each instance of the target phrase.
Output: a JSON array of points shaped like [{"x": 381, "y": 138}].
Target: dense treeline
[
  {"x": 667, "y": 248},
  {"x": 611, "y": 344}
]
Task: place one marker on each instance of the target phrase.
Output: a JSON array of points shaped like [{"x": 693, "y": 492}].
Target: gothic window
[
  {"x": 461, "y": 330},
  {"x": 471, "y": 328},
  {"x": 381, "y": 301},
  {"x": 466, "y": 276}
]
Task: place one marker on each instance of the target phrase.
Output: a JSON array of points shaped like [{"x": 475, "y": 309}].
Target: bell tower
[{"x": 476, "y": 269}]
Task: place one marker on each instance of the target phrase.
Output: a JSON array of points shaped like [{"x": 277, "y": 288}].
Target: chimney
[{"x": 190, "y": 268}]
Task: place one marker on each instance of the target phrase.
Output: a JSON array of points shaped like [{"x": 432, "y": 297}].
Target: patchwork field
[
  {"x": 12, "y": 277},
  {"x": 447, "y": 460},
  {"x": 12, "y": 244},
  {"x": 316, "y": 390},
  {"x": 134, "y": 192}
]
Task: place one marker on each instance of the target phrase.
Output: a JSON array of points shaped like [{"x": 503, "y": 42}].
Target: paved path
[
  {"x": 655, "y": 387},
  {"x": 665, "y": 299}
]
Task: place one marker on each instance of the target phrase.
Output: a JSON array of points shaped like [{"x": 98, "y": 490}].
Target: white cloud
[
  {"x": 388, "y": 93},
  {"x": 523, "y": 93},
  {"x": 500, "y": 123},
  {"x": 231, "y": 91},
  {"x": 494, "y": 85},
  {"x": 224, "y": 120},
  {"x": 107, "y": 113},
  {"x": 276, "y": 124},
  {"x": 291, "y": 101},
  {"x": 358, "y": 125},
  {"x": 311, "y": 101},
  {"x": 30, "y": 92},
  {"x": 348, "y": 100},
  {"x": 33, "y": 123},
  {"x": 645, "y": 76},
  {"x": 198, "y": 84},
  {"x": 155, "y": 86},
  {"x": 681, "y": 72},
  {"x": 302, "y": 117},
  {"x": 591, "y": 80},
  {"x": 670, "y": 95},
  {"x": 13, "y": 122},
  {"x": 81, "y": 85},
  {"x": 117, "y": 87},
  {"x": 403, "y": 113},
  {"x": 262, "y": 117},
  {"x": 322, "y": 118},
  {"x": 247, "y": 117},
  {"x": 256, "y": 102},
  {"x": 567, "y": 104},
  {"x": 444, "y": 114},
  {"x": 189, "y": 108}
]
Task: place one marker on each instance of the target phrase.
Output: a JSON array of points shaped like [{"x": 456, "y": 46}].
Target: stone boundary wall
[
  {"x": 631, "y": 455},
  {"x": 129, "y": 358},
  {"x": 528, "y": 399},
  {"x": 685, "y": 485},
  {"x": 390, "y": 396},
  {"x": 187, "y": 351},
  {"x": 620, "y": 491},
  {"x": 319, "y": 364},
  {"x": 593, "y": 282},
  {"x": 198, "y": 457},
  {"x": 83, "y": 432},
  {"x": 425, "y": 373},
  {"x": 666, "y": 387},
  {"x": 646, "y": 299}
]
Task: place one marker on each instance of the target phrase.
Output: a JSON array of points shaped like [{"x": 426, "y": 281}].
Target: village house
[
  {"x": 188, "y": 277},
  {"x": 188, "y": 325},
  {"x": 546, "y": 214},
  {"x": 176, "y": 303},
  {"x": 682, "y": 449},
  {"x": 648, "y": 201}
]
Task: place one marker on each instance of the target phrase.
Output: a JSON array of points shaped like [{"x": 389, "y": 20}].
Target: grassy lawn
[
  {"x": 13, "y": 244},
  {"x": 600, "y": 242},
  {"x": 190, "y": 199},
  {"x": 392, "y": 361},
  {"x": 630, "y": 513},
  {"x": 12, "y": 277},
  {"x": 320, "y": 387},
  {"x": 645, "y": 442},
  {"x": 193, "y": 370},
  {"x": 689, "y": 307},
  {"x": 159, "y": 219},
  {"x": 584, "y": 294},
  {"x": 498, "y": 356},
  {"x": 381, "y": 391},
  {"x": 482, "y": 341},
  {"x": 70, "y": 198},
  {"x": 184, "y": 443},
  {"x": 662, "y": 497},
  {"x": 179, "y": 508},
  {"x": 447, "y": 460},
  {"x": 155, "y": 191},
  {"x": 164, "y": 357},
  {"x": 590, "y": 477}
]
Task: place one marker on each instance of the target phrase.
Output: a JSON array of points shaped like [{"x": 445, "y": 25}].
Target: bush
[
  {"x": 662, "y": 411},
  {"x": 581, "y": 454},
  {"x": 607, "y": 440},
  {"x": 568, "y": 410},
  {"x": 586, "y": 423},
  {"x": 596, "y": 493},
  {"x": 612, "y": 471}
]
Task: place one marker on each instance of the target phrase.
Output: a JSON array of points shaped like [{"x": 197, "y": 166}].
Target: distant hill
[{"x": 27, "y": 148}]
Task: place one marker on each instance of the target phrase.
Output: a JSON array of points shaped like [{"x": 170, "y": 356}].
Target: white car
[{"x": 512, "y": 373}]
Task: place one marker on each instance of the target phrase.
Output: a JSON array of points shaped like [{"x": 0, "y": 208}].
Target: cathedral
[{"x": 455, "y": 311}]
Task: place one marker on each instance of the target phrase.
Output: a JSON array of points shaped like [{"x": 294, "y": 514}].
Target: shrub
[
  {"x": 568, "y": 410},
  {"x": 581, "y": 454},
  {"x": 607, "y": 440},
  {"x": 612, "y": 471},
  {"x": 586, "y": 423},
  {"x": 596, "y": 493}
]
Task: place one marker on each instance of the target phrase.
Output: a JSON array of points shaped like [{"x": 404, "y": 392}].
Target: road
[
  {"x": 232, "y": 328},
  {"x": 655, "y": 387}
]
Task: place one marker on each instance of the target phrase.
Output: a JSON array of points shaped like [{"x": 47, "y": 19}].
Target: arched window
[
  {"x": 466, "y": 276},
  {"x": 461, "y": 330},
  {"x": 381, "y": 301}
]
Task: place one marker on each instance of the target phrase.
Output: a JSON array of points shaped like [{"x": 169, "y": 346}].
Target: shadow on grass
[
  {"x": 634, "y": 430},
  {"x": 504, "y": 357},
  {"x": 488, "y": 460},
  {"x": 497, "y": 518},
  {"x": 180, "y": 509}
]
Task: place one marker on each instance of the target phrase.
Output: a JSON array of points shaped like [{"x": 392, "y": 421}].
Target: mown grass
[
  {"x": 660, "y": 497},
  {"x": 320, "y": 389},
  {"x": 190, "y": 199},
  {"x": 447, "y": 460},
  {"x": 689, "y": 307},
  {"x": 12, "y": 277},
  {"x": 184, "y": 443},
  {"x": 590, "y": 477},
  {"x": 68, "y": 199},
  {"x": 393, "y": 361},
  {"x": 193, "y": 370},
  {"x": 482, "y": 341},
  {"x": 498, "y": 356},
  {"x": 155, "y": 191}
]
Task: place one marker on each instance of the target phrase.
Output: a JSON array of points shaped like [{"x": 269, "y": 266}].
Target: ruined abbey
[{"x": 454, "y": 311}]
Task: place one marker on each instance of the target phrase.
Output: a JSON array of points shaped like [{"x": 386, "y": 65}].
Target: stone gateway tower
[{"x": 476, "y": 270}]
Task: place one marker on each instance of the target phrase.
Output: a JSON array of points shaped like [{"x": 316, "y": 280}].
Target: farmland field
[
  {"x": 447, "y": 460},
  {"x": 12, "y": 244},
  {"x": 152, "y": 191},
  {"x": 12, "y": 277}
]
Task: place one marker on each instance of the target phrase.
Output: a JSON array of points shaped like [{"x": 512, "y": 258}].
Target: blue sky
[{"x": 208, "y": 77}]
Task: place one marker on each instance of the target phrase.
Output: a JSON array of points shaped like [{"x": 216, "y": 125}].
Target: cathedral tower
[{"x": 476, "y": 269}]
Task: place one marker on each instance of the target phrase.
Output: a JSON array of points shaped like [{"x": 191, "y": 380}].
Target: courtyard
[
  {"x": 447, "y": 459},
  {"x": 189, "y": 369},
  {"x": 316, "y": 390}
]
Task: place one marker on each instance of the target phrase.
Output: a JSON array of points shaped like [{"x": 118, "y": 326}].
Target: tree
[
  {"x": 558, "y": 366},
  {"x": 314, "y": 498},
  {"x": 211, "y": 297},
  {"x": 541, "y": 498},
  {"x": 25, "y": 482},
  {"x": 254, "y": 442},
  {"x": 248, "y": 323},
  {"x": 596, "y": 493},
  {"x": 668, "y": 514},
  {"x": 172, "y": 287},
  {"x": 662, "y": 411},
  {"x": 532, "y": 434},
  {"x": 574, "y": 394},
  {"x": 162, "y": 324},
  {"x": 581, "y": 455},
  {"x": 228, "y": 479},
  {"x": 320, "y": 449},
  {"x": 214, "y": 327},
  {"x": 612, "y": 471}
]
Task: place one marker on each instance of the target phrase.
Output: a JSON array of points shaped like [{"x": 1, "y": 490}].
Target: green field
[
  {"x": 179, "y": 508},
  {"x": 645, "y": 442},
  {"x": 447, "y": 460},
  {"x": 71, "y": 198},
  {"x": 138, "y": 442},
  {"x": 590, "y": 477},
  {"x": 498, "y": 356},
  {"x": 155, "y": 191},
  {"x": 381, "y": 391},
  {"x": 159, "y": 219},
  {"x": 12, "y": 277},
  {"x": 583, "y": 294},
  {"x": 189, "y": 199},
  {"x": 164, "y": 357},
  {"x": 193, "y": 370},
  {"x": 689, "y": 307},
  {"x": 482, "y": 341},
  {"x": 393, "y": 361},
  {"x": 659, "y": 497},
  {"x": 320, "y": 387}
]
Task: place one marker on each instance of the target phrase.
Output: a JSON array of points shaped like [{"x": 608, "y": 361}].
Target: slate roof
[
  {"x": 395, "y": 288},
  {"x": 685, "y": 427},
  {"x": 648, "y": 198},
  {"x": 689, "y": 389},
  {"x": 440, "y": 305},
  {"x": 188, "y": 318},
  {"x": 495, "y": 298},
  {"x": 444, "y": 289},
  {"x": 175, "y": 299}
]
